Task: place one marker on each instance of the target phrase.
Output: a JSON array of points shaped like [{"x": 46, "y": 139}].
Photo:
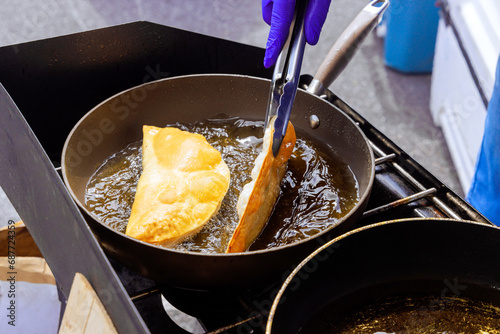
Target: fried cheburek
[
  {"x": 257, "y": 199},
  {"x": 182, "y": 185}
]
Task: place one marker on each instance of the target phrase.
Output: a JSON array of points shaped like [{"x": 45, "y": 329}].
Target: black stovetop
[{"x": 54, "y": 82}]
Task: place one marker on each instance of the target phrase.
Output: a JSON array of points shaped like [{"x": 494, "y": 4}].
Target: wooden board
[
  {"x": 27, "y": 269},
  {"x": 84, "y": 311},
  {"x": 24, "y": 243}
]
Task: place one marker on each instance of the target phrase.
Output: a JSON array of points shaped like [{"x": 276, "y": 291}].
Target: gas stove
[{"x": 54, "y": 82}]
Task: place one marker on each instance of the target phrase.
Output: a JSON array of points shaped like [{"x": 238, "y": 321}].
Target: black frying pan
[
  {"x": 118, "y": 121},
  {"x": 445, "y": 258},
  {"x": 189, "y": 99}
]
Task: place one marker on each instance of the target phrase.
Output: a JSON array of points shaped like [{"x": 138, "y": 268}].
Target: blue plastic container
[{"x": 411, "y": 35}]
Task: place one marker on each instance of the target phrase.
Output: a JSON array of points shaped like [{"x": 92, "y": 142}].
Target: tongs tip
[{"x": 286, "y": 78}]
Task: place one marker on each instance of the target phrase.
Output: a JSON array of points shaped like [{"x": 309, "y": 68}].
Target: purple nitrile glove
[{"x": 279, "y": 15}]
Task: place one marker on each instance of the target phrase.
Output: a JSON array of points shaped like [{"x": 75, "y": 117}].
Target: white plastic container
[{"x": 455, "y": 102}]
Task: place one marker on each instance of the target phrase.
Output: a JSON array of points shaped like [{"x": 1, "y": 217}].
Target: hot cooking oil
[
  {"x": 318, "y": 189},
  {"x": 412, "y": 314}
]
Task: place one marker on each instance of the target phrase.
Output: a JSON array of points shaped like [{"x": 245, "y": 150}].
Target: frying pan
[
  {"x": 118, "y": 121},
  {"x": 447, "y": 258}
]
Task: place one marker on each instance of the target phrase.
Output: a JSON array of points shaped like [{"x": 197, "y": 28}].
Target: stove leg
[{"x": 63, "y": 301}]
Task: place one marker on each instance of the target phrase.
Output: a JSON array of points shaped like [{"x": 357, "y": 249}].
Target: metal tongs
[
  {"x": 287, "y": 70},
  {"x": 286, "y": 77}
]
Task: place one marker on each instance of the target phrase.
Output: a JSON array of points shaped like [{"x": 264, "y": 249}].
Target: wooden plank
[
  {"x": 84, "y": 311},
  {"x": 24, "y": 243},
  {"x": 27, "y": 269}
]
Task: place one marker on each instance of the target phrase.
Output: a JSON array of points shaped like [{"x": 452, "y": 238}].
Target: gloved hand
[{"x": 279, "y": 15}]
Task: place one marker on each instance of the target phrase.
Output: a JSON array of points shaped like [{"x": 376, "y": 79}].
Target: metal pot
[
  {"x": 440, "y": 257},
  {"x": 118, "y": 121}
]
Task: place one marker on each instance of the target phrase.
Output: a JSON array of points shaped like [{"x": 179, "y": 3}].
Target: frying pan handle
[{"x": 346, "y": 46}]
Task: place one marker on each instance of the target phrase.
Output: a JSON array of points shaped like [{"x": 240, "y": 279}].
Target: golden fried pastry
[
  {"x": 182, "y": 185},
  {"x": 257, "y": 199}
]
